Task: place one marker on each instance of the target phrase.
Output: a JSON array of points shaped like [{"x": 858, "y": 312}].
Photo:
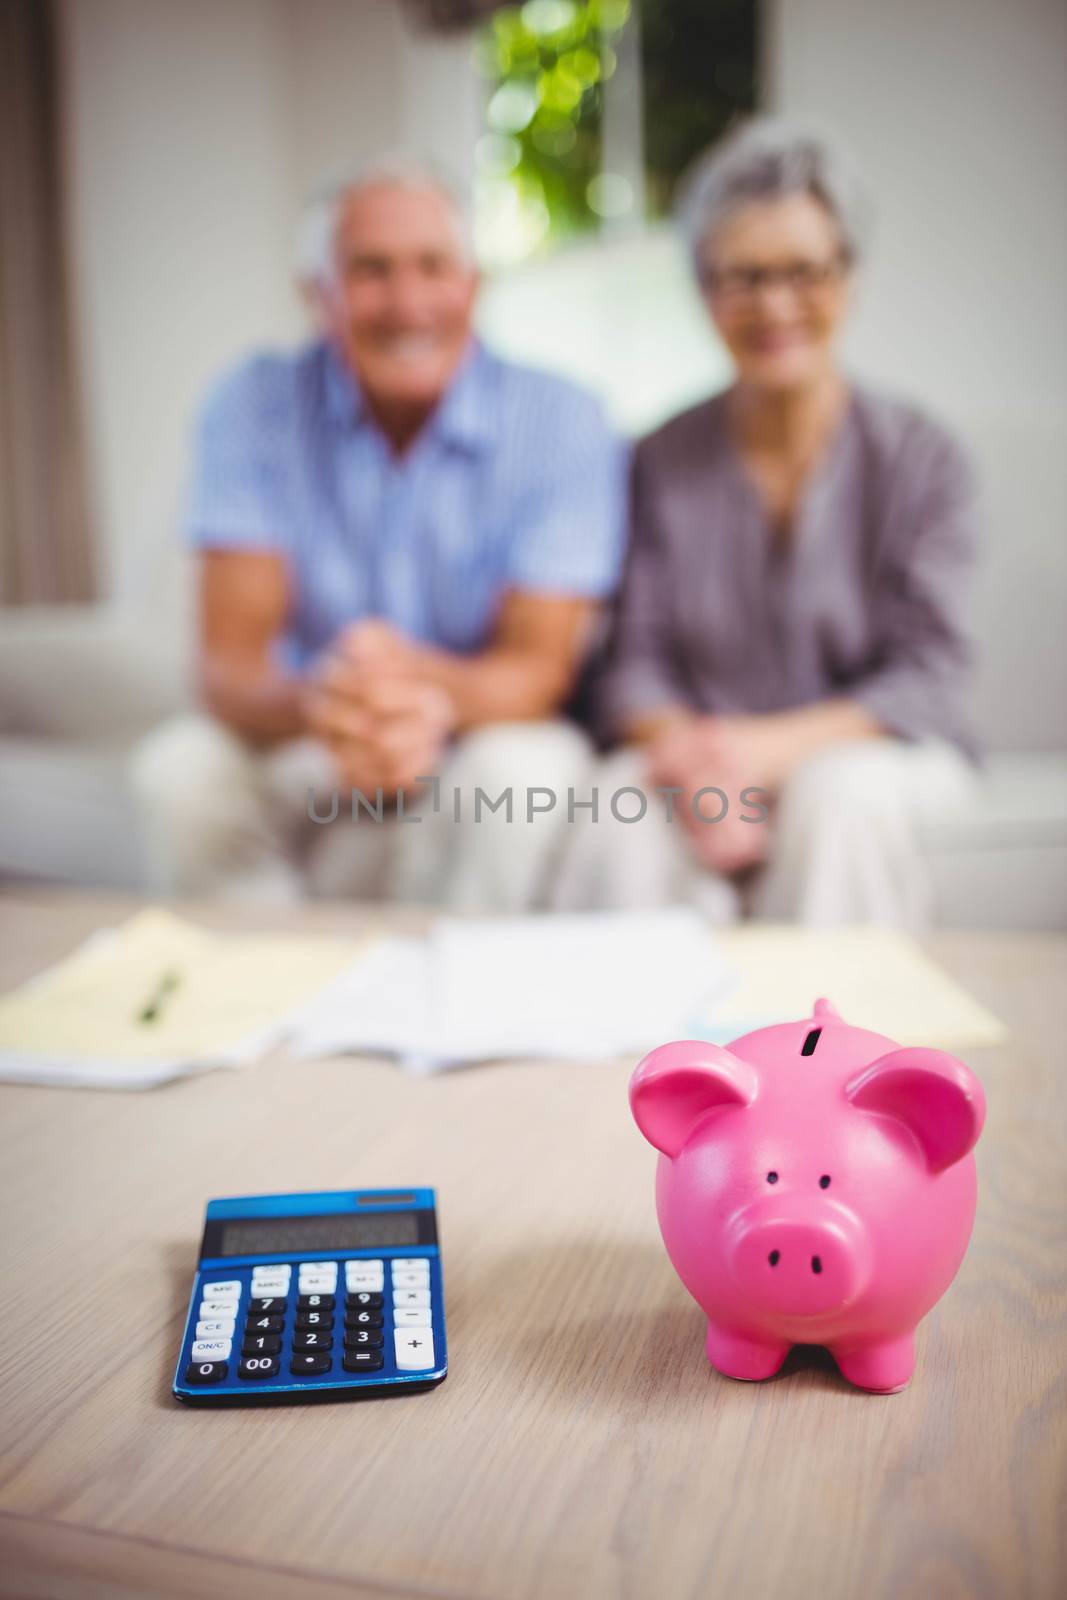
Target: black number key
[
  {"x": 365, "y": 1300},
  {"x": 309, "y": 1363},
  {"x": 363, "y": 1361},
  {"x": 315, "y": 1302},
  {"x": 363, "y": 1339},
  {"x": 264, "y": 1325},
  {"x": 363, "y": 1319},
  {"x": 264, "y": 1344},
  {"x": 258, "y": 1367},
  {"x": 206, "y": 1372},
  {"x": 312, "y": 1341},
  {"x": 270, "y": 1306},
  {"x": 314, "y": 1319}
]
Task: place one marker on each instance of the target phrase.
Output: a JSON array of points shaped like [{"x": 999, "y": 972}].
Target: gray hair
[
  {"x": 766, "y": 159},
  {"x": 316, "y": 230}
]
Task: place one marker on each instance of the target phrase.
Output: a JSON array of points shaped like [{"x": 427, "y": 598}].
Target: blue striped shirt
[{"x": 514, "y": 483}]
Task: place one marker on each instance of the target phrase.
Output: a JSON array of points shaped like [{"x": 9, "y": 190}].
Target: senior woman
[{"x": 791, "y": 619}]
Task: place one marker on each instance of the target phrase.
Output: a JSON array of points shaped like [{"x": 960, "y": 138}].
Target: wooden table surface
[{"x": 581, "y": 1445}]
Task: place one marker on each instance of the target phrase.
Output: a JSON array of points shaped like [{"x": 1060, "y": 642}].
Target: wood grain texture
[{"x": 581, "y": 1446}]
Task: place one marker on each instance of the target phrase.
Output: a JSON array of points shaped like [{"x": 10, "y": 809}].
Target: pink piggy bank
[{"x": 815, "y": 1186}]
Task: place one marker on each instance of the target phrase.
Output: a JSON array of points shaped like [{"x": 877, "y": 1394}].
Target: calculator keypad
[{"x": 352, "y": 1323}]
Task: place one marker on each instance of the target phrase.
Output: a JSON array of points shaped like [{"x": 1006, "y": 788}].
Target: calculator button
[
  {"x": 206, "y": 1372},
  {"x": 364, "y": 1266},
  {"x": 363, "y": 1339},
  {"x": 411, "y": 1280},
  {"x": 411, "y": 1297},
  {"x": 315, "y": 1302},
  {"x": 217, "y": 1308},
  {"x": 313, "y": 1339},
  {"x": 258, "y": 1367},
  {"x": 319, "y": 1266},
  {"x": 224, "y": 1289},
  {"x": 270, "y": 1286},
  {"x": 261, "y": 1344},
  {"x": 363, "y": 1299},
  {"x": 215, "y": 1328},
  {"x": 272, "y": 1269},
  {"x": 310, "y": 1364},
  {"x": 363, "y": 1319},
  {"x": 414, "y": 1349},
  {"x": 411, "y": 1264},
  {"x": 267, "y": 1324},
  {"x": 363, "y": 1361},
  {"x": 315, "y": 1319},
  {"x": 412, "y": 1317},
  {"x": 267, "y": 1305},
  {"x": 371, "y": 1282},
  {"x": 316, "y": 1286},
  {"x": 211, "y": 1349}
]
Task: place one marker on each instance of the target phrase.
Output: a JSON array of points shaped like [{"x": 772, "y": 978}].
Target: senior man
[{"x": 401, "y": 542}]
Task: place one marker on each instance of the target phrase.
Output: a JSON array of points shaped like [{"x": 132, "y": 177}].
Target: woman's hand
[
  {"x": 385, "y": 725},
  {"x": 696, "y": 753}
]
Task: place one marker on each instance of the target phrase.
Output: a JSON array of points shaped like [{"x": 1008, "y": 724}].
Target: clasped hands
[
  {"x": 731, "y": 753},
  {"x": 371, "y": 700}
]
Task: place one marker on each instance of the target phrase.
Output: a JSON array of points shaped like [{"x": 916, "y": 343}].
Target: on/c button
[{"x": 414, "y": 1349}]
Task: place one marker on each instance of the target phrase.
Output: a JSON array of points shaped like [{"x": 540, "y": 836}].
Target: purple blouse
[{"x": 865, "y": 598}]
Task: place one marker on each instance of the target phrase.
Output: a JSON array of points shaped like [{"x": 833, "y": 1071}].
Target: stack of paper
[
  {"x": 596, "y": 986},
  {"x": 577, "y": 987},
  {"x": 158, "y": 998}
]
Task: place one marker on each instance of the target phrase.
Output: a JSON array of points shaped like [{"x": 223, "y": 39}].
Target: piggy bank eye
[
  {"x": 824, "y": 1181},
  {"x": 772, "y": 1177}
]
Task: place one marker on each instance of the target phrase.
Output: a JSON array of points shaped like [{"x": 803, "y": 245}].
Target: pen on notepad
[{"x": 152, "y": 1007}]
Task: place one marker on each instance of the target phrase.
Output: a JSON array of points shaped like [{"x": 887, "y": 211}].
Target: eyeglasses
[{"x": 803, "y": 278}]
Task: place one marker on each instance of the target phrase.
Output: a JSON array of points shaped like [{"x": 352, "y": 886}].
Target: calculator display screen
[{"x": 255, "y": 1236}]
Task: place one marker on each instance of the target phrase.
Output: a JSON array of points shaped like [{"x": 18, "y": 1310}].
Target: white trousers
[
  {"x": 225, "y": 820},
  {"x": 845, "y": 843}
]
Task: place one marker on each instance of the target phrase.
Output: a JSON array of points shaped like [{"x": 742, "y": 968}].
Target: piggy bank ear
[
  {"x": 678, "y": 1084},
  {"x": 931, "y": 1093}
]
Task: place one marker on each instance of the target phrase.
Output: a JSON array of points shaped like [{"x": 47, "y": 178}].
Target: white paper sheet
[{"x": 574, "y": 987}]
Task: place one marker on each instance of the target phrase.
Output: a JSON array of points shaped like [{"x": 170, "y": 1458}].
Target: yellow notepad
[
  {"x": 158, "y": 998},
  {"x": 877, "y": 979}
]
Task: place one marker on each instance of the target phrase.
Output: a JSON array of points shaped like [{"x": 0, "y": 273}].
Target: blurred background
[{"x": 154, "y": 158}]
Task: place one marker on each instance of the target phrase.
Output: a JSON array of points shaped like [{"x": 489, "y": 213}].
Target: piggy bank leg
[
  {"x": 743, "y": 1358},
  {"x": 883, "y": 1368}
]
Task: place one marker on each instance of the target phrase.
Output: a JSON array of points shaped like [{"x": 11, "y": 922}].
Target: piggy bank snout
[{"x": 800, "y": 1265}]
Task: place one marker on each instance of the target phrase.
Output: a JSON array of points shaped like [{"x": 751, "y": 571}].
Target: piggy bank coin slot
[{"x": 808, "y": 1047}]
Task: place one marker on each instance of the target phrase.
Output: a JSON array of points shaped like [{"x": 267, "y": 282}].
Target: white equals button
[{"x": 414, "y": 1349}]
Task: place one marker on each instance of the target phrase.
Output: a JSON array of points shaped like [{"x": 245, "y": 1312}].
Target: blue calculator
[{"x": 315, "y": 1297}]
